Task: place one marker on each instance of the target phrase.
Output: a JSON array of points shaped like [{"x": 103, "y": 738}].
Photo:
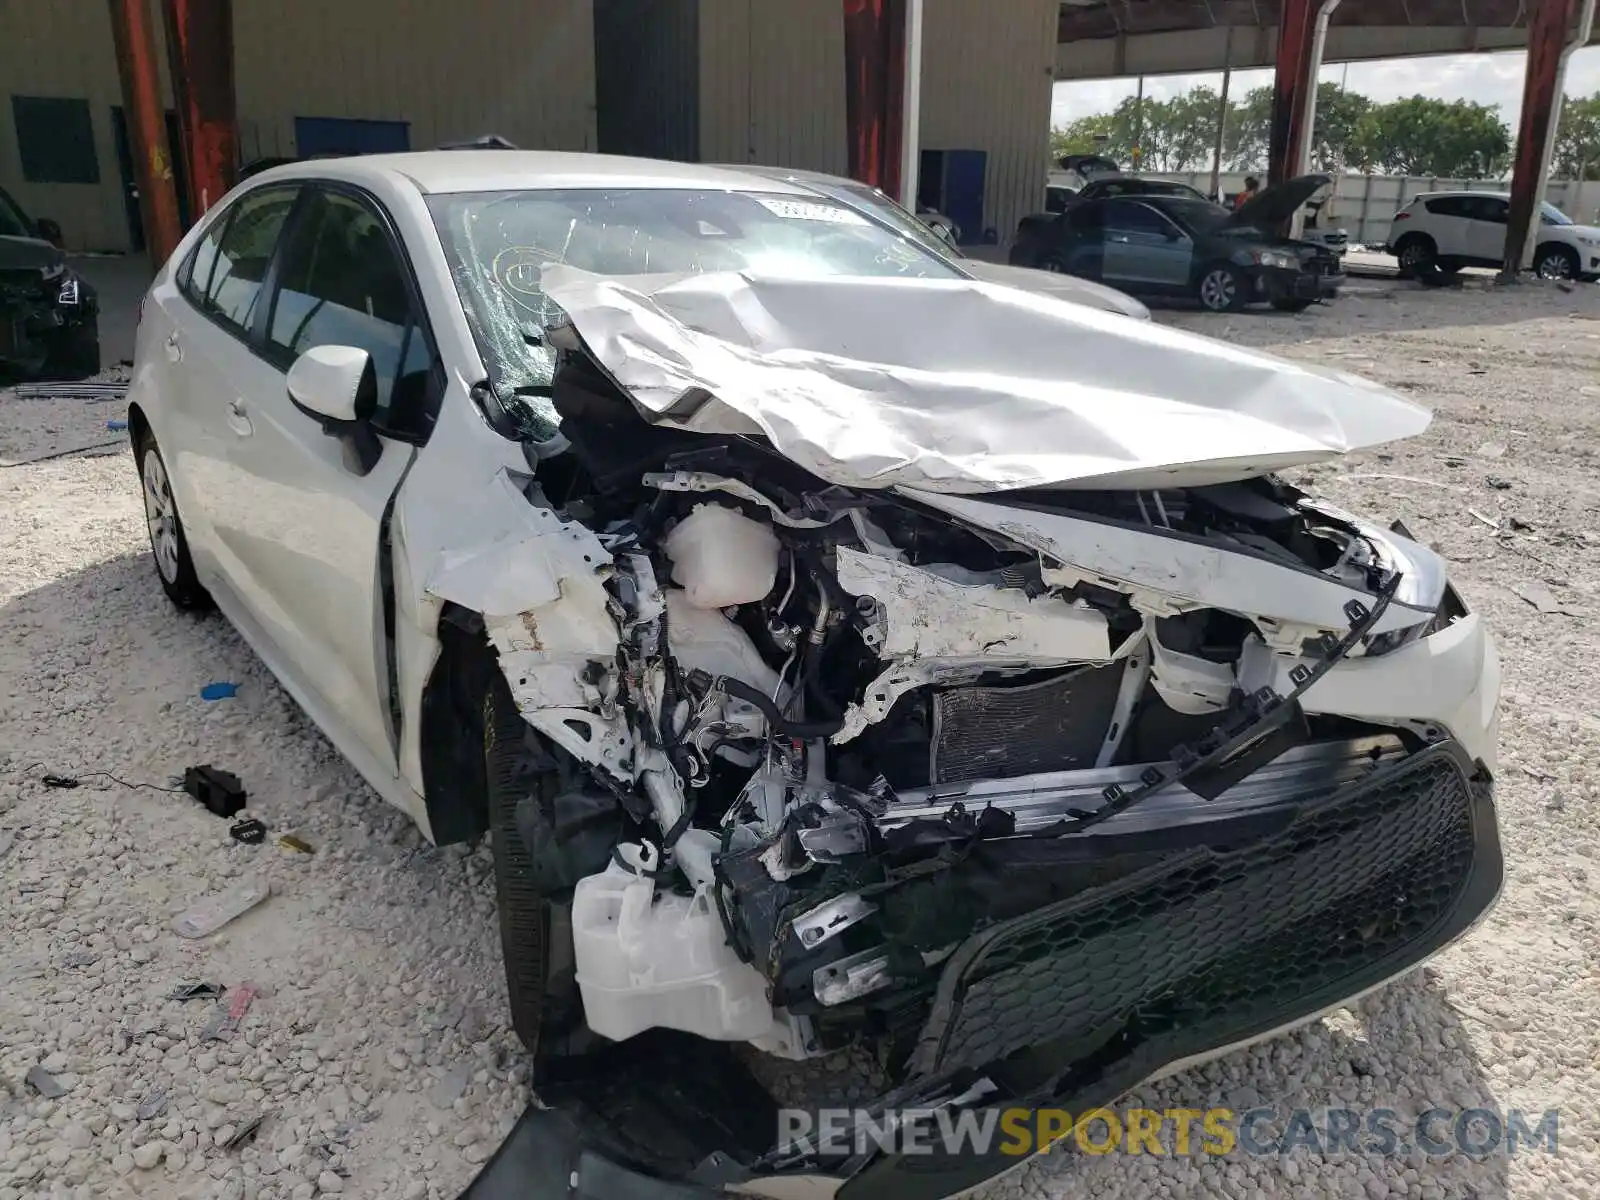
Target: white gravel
[{"x": 379, "y": 1045}]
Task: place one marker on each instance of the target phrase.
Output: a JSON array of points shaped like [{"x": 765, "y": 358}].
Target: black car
[
  {"x": 49, "y": 317},
  {"x": 1185, "y": 245}
]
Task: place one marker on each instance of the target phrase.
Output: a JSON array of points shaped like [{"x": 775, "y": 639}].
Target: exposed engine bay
[{"x": 819, "y": 735}]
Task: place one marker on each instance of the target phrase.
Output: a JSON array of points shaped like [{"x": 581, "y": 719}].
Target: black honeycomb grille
[{"x": 1212, "y": 936}]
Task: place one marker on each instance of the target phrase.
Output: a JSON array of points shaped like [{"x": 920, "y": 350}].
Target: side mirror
[
  {"x": 49, "y": 231},
  {"x": 337, "y": 388}
]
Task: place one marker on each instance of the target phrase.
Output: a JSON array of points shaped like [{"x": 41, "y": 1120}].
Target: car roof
[
  {"x": 442, "y": 171},
  {"x": 1463, "y": 192}
]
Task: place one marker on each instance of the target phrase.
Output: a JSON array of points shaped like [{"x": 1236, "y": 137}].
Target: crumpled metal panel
[{"x": 962, "y": 386}]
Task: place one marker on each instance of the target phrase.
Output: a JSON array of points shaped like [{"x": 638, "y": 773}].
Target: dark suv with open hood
[
  {"x": 48, "y": 315},
  {"x": 1188, "y": 246}
]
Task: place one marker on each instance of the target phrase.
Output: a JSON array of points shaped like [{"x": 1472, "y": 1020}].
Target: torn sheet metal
[{"x": 963, "y": 386}]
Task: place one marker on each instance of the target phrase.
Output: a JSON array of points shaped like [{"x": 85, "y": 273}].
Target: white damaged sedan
[{"x": 838, "y": 651}]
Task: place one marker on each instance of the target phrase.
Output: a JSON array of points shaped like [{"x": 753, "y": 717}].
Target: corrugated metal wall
[
  {"x": 520, "y": 68},
  {"x": 647, "y": 77},
  {"x": 63, "y": 48},
  {"x": 772, "y": 83},
  {"x": 772, "y": 89},
  {"x": 986, "y": 78}
]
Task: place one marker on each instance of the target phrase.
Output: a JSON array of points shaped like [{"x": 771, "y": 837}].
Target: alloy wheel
[
  {"x": 161, "y": 514},
  {"x": 1217, "y": 290},
  {"x": 1555, "y": 266}
]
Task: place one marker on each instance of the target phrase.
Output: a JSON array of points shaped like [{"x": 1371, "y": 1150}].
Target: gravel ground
[{"x": 378, "y": 1042}]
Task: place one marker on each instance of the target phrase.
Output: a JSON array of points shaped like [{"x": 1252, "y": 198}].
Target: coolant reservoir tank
[
  {"x": 646, "y": 960},
  {"x": 722, "y": 557}
]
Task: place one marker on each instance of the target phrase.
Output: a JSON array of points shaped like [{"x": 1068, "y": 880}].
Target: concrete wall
[{"x": 520, "y": 68}]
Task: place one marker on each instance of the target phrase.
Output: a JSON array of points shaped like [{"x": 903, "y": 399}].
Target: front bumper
[
  {"x": 31, "y": 321},
  {"x": 1278, "y": 283},
  {"x": 1177, "y": 954}
]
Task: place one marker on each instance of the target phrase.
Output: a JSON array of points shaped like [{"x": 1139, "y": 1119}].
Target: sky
[{"x": 1484, "y": 78}]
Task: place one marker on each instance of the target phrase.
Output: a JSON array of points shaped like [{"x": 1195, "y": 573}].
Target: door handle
[
  {"x": 174, "y": 350},
  {"x": 239, "y": 418}
]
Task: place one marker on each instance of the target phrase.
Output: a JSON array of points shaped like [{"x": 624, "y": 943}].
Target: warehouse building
[{"x": 699, "y": 80}]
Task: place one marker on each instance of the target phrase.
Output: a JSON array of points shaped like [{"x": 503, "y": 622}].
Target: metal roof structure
[{"x": 1105, "y": 38}]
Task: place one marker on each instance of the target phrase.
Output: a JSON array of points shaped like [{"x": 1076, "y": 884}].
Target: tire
[
  {"x": 1221, "y": 288},
  {"x": 1552, "y": 261},
  {"x": 75, "y": 351},
  {"x": 1054, "y": 265},
  {"x": 1418, "y": 255},
  {"x": 535, "y": 928},
  {"x": 168, "y": 544},
  {"x": 1292, "y": 306},
  {"x": 1449, "y": 267}
]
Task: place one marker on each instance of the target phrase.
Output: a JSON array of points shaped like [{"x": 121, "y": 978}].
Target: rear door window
[
  {"x": 1450, "y": 206},
  {"x": 238, "y": 265}
]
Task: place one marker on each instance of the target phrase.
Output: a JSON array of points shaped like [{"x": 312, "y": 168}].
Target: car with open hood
[
  {"x": 49, "y": 316},
  {"x": 841, "y": 655},
  {"x": 1186, "y": 246}
]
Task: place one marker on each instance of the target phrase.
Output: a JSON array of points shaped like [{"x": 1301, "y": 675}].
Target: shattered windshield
[{"x": 497, "y": 243}]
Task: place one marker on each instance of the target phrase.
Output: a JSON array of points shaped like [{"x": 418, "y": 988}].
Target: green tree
[
  {"x": 1577, "y": 152},
  {"x": 1333, "y": 143},
  {"x": 1422, "y": 136}
]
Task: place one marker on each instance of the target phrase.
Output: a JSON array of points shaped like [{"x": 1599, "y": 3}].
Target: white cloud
[{"x": 1484, "y": 78}]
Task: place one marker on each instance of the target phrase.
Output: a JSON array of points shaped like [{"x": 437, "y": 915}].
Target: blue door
[
  {"x": 344, "y": 135},
  {"x": 964, "y": 172}
]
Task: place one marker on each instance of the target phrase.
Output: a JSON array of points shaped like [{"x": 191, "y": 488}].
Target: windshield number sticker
[{"x": 807, "y": 210}]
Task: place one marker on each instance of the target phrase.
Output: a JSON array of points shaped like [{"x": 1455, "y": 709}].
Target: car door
[
  {"x": 1079, "y": 239},
  {"x": 1486, "y": 235},
  {"x": 208, "y": 368},
  {"x": 307, "y": 529},
  {"x": 1449, "y": 223},
  {"x": 1144, "y": 250}
]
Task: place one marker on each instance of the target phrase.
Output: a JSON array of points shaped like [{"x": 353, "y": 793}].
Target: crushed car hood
[
  {"x": 963, "y": 386},
  {"x": 1063, "y": 287}
]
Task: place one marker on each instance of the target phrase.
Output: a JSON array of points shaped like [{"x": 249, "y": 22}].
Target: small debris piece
[
  {"x": 212, "y": 914},
  {"x": 1498, "y": 484},
  {"x": 79, "y": 958},
  {"x": 196, "y": 991},
  {"x": 116, "y": 426},
  {"x": 245, "y": 1133},
  {"x": 1453, "y": 460},
  {"x": 44, "y": 1083},
  {"x": 289, "y": 842},
  {"x": 249, "y": 831},
  {"x": 219, "y": 691},
  {"x": 153, "y": 1105},
  {"x": 1536, "y": 773},
  {"x": 62, "y": 782},
  {"x": 225, "y": 1023},
  {"x": 1491, "y": 450},
  {"x": 1489, "y": 521},
  {"x": 1545, "y": 601},
  {"x": 1517, "y": 524},
  {"x": 219, "y": 791}
]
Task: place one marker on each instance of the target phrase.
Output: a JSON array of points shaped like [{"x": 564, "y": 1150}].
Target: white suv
[{"x": 1445, "y": 231}]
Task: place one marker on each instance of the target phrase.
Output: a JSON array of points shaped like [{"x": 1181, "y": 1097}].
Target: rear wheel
[
  {"x": 1556, "y": 262},
  {"x": 1220, "y": 288},
  {"x": 174, "y": 567},
  {"x": 1417, "y": 254}
]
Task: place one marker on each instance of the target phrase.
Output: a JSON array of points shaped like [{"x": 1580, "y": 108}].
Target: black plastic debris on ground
[{"x": 220, "y": 791}]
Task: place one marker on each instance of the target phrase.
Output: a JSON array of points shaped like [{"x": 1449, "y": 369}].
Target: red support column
[
  {"x": 1294, "y": 73},
  {"x": 200, "y": 50},
  {"x": 133, "y": 33},
  {"x": 875, "y": 64},
  {"x": 1548, "y": 22}
]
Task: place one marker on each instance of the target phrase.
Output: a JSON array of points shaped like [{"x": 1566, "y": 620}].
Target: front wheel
[
  {"x": 1221, "y": 289},
  {"x": 174, "y": 566},
  {"x": 1556, "y": 262}
]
